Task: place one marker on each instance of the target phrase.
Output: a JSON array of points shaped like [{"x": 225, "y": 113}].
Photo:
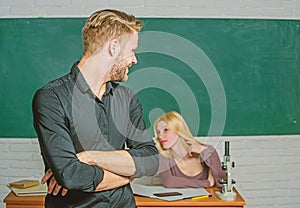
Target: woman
[{"x": 184, "y": 161}]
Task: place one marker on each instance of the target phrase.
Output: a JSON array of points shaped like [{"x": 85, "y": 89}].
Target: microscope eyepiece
[{"x": 226, "y": 148}]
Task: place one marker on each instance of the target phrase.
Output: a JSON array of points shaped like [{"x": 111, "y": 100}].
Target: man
[{"x": 91, "y": 131}]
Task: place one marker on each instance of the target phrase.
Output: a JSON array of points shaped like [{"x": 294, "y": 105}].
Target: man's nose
[{"x": 134, "y": 59}]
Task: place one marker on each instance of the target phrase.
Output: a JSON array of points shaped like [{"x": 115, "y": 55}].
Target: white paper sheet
[{"x": 144, "y": 190}]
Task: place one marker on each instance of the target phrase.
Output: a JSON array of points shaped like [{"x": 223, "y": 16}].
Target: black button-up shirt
[{"x": 69, "y": 118}]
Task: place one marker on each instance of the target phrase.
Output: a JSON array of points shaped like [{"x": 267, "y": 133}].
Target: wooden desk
[
  {"x": 144, "y": 202},
  {"x": 13, "y": 201}
]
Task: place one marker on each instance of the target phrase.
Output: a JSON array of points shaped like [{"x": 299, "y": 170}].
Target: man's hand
[{"x": 53, "y": 186}]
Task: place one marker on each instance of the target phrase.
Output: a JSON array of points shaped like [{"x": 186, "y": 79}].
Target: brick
[
  {"x": 275, "y": 13},
  {"x": 194, "y": 3},
  {"x": 294, "y": 152},
  {"x": 4, "y": 11},
  {"x": 36, "y": 157},
  {"x": 14, "y": 141},
  {"x": 140, "y": 11},
  {"x": 272, "y": 143},
  {"x": 57, "y": 3},
  {"x": 16, "y": 2},
  {"x": 27, "y": 164},
  {"x": 11, "y": 156},
  {"x": 4, "y": 164},
  {"x": 228, "y": 4},
  {"x": 34, "y": 141},
  {"x": 291, "y": 4},
  {"x": 159, "y": 3},
  {"x": 172, "y": 11},
  {"x": 133, "y": 3},
  {"x": 296, "y": 13},
  {"x": 4, "y": 189},
  {"x": 4, "y": 147},
  {"x": 24, "y": 148},
  {"x": 290, "y": 201},
  {"x": 294, "y": 192},
  {"x": 38, "y": 174},
  {"x": 65, "y": 11},
  {"x": 265, "y": 4},
  {"x": 93, "y": 3},
  {"x": 3, "y": 180},
  {"x": 16, "y": 172},
  {"x": 207, "y": 12}
]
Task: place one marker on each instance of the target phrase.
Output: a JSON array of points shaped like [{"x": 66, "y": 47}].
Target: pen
[{"x": 201, "y": 197}]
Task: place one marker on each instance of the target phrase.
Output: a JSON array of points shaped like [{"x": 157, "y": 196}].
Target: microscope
[{"x": 227, "y": 193}]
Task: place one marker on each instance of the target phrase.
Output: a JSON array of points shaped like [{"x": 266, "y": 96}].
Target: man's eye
[{"x": 165, "y": 130}]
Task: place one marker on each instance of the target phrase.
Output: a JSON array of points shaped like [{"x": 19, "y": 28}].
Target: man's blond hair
[{"x": 106, "y": 25}]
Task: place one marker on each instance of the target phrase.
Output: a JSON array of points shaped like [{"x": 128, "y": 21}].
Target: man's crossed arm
[{"x": 118, "y": 168}]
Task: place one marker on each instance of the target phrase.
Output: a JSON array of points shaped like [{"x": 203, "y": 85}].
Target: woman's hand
[
  {"x": 211, "y": 179},
  {"x": 195, "y": 148}
]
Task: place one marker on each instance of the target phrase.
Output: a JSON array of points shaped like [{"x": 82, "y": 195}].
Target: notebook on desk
[
  {"x": 40, "y": 189},
  {"x": 168, "y": 194}
]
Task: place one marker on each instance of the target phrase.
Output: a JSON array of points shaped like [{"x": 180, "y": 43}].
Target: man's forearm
[
  {"x": 119, "y": 162},
  {"x": 112, "y": 181}
]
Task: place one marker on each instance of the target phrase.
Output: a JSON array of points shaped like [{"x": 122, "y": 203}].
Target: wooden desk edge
[
  {"x": 12, "y": 199},
  {"x": 212, "y": 201}
]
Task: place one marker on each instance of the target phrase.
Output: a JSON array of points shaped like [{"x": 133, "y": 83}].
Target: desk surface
[
  {"x": 212, "y": 201},
  {"x": 13, "y": 201}
]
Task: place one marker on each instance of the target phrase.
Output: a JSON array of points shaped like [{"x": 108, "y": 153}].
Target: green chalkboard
[{"x": 225, "y": 76}]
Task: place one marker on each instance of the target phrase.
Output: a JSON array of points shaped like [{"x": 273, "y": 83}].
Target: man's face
[{"x": 119, "y": 71}]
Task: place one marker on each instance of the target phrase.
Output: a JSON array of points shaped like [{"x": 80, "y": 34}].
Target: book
[
  {"x": 24, "y": 184},
  {"x": 40, "y": 189}
]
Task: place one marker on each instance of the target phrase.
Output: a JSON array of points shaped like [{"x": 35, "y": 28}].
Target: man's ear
[{"x": 114, "y": 47}]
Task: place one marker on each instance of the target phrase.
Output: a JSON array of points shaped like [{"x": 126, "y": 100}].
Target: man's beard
[{"x": 118, "y": 71}]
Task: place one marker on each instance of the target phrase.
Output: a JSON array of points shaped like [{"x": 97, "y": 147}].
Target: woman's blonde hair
[
  {"x": 106, "y": 25},
  {"x": 177, "y": 124}
]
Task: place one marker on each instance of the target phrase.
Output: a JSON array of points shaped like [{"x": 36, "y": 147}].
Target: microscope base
[{"x": 227, "y": 196}]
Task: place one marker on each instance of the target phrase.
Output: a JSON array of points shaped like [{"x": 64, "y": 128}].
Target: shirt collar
[
  {"x": 83, "y": 85},
  {"x": 109, "y": 88},
  {"x": 79, "y": 79}
]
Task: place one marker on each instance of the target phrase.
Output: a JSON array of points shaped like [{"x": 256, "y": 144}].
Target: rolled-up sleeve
[
  {"x": 57, "y": 147},
  {"x": 141, "y": 145}
]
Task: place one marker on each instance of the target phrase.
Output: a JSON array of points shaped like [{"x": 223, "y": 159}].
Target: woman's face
[{"x": 166, "y": 136}]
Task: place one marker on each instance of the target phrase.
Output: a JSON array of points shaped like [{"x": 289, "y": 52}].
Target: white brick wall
[
  {"x": 279, "y": 9},
  {"x": 19, "y": 159},
  {"x": 267, "y": 167}
]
